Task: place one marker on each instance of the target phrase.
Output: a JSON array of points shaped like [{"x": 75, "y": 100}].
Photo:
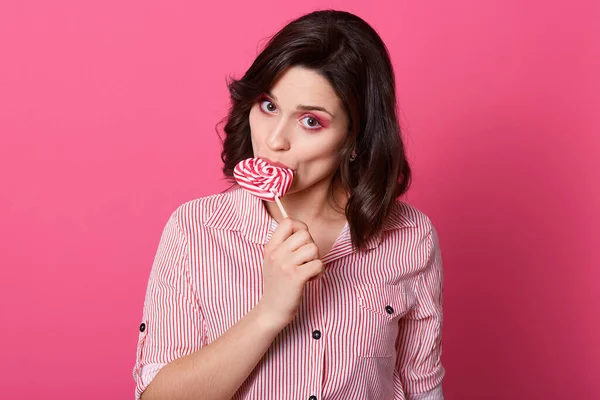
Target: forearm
[{"x": 217, "y": 370}]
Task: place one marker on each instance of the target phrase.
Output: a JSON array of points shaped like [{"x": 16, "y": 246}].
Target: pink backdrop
[{"x": 107, "y": 116}]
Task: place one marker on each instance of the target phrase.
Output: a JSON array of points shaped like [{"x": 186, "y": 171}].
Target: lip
[{"x": 275, "y": 163}]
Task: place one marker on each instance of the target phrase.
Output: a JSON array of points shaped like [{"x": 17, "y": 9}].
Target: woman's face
[{"x": 300, "y": 124}]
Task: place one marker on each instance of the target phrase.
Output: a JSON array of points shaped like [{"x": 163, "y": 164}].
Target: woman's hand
[{"x": 290, "y": 260}]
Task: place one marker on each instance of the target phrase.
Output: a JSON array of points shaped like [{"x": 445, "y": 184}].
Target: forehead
[{"x": 298, "y": 85}]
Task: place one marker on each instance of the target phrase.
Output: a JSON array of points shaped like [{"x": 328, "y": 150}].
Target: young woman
[{"x": 343, "y": 299}]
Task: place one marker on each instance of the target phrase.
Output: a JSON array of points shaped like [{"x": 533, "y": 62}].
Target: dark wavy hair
[{"x": 349, "y": 53}]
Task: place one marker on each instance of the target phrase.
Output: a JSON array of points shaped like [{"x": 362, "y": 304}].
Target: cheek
[
  {"x": 319, "y": 161},
  {"x": 322, "y": 150},
  {"x": 253, "y": 120},
  {"x": 255, "y": 128},
  {"x": 259, "y": 125}
]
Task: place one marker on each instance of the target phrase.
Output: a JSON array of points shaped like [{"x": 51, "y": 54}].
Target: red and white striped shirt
[{"x": 370, "y": 328}]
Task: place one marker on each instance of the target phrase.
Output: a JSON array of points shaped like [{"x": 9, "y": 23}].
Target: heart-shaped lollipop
[{"x": 263, "y": 180}]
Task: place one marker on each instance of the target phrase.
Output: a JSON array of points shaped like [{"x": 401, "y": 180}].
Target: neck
[{"x": 317, "y": 204}]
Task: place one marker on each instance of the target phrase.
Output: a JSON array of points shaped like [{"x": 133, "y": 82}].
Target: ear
[{"x": 353, "y": 156}]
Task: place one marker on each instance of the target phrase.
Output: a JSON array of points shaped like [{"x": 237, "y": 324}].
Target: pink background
[{"x": 107, "y": 120}]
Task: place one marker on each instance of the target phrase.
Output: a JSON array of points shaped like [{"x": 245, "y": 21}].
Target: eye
[
  {"x": 311, "y": 122},
  {"x": 267, "y": 106}
]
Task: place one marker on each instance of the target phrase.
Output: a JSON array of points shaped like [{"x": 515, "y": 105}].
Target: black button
[
  {"x": 142, "y": 327},
  {"x": 316, "y": 335},
  {"x": 312, "y": 398},
  {"x": 389, "y": 310}
]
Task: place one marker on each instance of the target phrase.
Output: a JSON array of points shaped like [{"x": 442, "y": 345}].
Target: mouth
[{"x": 275, "y": 163}]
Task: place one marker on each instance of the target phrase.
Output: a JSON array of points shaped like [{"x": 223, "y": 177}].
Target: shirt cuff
[
  {"x": 147, "y": 373},
  {"x": 433, "y": 394}
]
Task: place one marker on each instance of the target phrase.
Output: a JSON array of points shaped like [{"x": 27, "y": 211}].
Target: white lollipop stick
[{"x": 279, "y": 205}]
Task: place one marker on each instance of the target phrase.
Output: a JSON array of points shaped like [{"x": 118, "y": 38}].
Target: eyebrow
[{"x": 303, "y": 107}]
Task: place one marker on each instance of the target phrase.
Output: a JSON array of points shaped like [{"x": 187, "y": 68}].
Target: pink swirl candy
[{"x": 262, "y": 179}]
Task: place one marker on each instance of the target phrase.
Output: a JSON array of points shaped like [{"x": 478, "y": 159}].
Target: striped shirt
[{"x": 370, "y": 328}]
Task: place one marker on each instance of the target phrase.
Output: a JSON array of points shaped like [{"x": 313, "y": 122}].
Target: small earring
[{"x": 353, "y": 156}]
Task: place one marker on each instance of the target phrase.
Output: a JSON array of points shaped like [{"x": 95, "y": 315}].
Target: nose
[{"x": 278, "y": 139}]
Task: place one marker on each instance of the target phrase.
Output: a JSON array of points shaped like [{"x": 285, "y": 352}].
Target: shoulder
[
  {"x": 407, "y": 225},
  {"x": 403, "y": 215},
  {"x": 411, "y": 232}
]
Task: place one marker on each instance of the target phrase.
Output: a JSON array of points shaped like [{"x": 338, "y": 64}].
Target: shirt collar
[{"x": 238, "y": 210}]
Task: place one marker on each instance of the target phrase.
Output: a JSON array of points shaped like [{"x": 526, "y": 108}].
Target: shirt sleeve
[
  {"x": 172, "y": 324},
  {"x": 419, "y": 341}
]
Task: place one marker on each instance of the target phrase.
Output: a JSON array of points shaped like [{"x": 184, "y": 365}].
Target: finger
[
  {"x": 298, "y": 225},
  {"x": 297, "y": 240},
  {"x": 310, "y": 270},
  {"x": 284, "y": 230},
  {"x": 306, "y": 253}
]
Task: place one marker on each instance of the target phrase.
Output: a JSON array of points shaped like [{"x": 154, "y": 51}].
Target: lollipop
[{"x": 265, "y": 181}]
